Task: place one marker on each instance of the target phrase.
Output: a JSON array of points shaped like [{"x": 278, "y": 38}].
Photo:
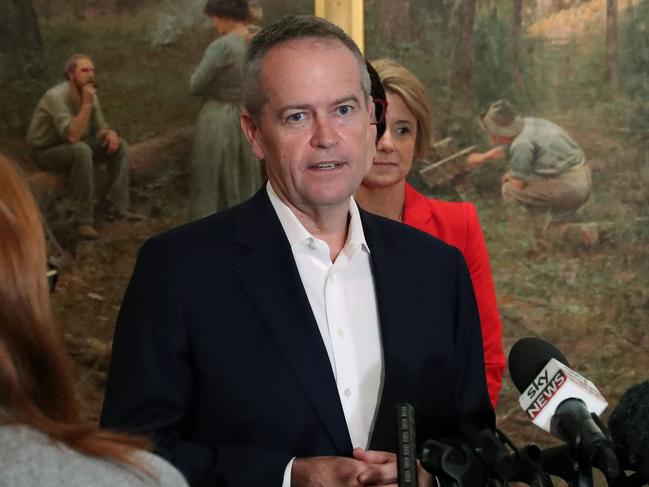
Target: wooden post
[
  {"x": 611, "y": 61},
  {"x": 346, "y": 14}
]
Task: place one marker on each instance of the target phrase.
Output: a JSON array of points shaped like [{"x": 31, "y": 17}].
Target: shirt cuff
[{"x": 287, "y": 473}]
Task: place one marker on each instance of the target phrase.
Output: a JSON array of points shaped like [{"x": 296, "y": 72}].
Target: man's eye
[
  {"x": 295, "y": 117},
  {"x": 345, "y": 110}
]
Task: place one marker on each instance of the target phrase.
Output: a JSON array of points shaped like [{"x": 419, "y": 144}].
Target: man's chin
[{"x": 330, "y": 197}]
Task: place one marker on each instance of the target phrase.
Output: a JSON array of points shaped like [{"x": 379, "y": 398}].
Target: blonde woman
[{"x": 384, "y": 191}]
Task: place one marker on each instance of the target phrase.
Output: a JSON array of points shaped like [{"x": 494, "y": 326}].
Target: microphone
[
  {"x": 406, "y": 446},
  {"x": 488, "y": 458},
  {"x": 507, "y": 463},
  {"x": 629, "y": 427},
  {"x": 562, "y": 402},
  {"x": 543, "y": 375},
  {"x": 453, "y": 463}
]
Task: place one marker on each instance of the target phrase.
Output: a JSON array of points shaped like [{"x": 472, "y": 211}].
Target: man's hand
[
  {"x": 88, "y": 94},
  {"x": 329, "y": 472},
  {"x": 516, "y": 183},
  {"x": 475, "y": 159},
  {"x": 385, "y": 467},
  {"x": 386, "y": 473},
  {"x": 111, "y": 141}
]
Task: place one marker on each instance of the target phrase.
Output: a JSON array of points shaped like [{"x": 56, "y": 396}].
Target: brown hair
[
  {"x": 36, "y": 386},
  {"x": 397, "y": 79},
  {"x": 229, "y": 9},
  {"x": 71, "y": 63}
]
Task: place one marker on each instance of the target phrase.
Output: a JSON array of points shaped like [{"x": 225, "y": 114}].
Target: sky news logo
[{"x": 546, "y": 394}]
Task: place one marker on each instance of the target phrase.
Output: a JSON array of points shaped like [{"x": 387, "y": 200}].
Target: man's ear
[{"x": 251, "y": 130}]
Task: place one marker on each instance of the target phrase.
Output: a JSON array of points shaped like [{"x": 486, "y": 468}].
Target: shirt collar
[{"x": 297, "y": 234}]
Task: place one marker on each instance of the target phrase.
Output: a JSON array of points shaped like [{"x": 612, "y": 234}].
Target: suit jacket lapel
[{"x": 270, "y": 277}]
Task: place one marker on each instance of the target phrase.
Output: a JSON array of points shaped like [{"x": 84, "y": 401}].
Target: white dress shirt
[{"x": 343, "y": 301}]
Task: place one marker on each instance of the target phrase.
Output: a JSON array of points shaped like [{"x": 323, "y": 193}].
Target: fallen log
[
  {"x": 151, "y": 158},
  {"x": 45, "y": 186}
]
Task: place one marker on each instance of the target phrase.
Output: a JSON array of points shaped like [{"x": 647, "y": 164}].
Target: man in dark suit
[{"x": 269, "y": 344}]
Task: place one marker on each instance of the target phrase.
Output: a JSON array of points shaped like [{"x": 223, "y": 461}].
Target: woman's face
[
  {"x": 395, "y": 150},
  {"x": 220, "y": 24}
]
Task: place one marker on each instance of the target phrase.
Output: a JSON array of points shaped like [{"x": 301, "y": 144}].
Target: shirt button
[
  {"x": 312, "y": 245},
  {"x": 341, "y": 333},
  {"x": 348, "y": 392}
]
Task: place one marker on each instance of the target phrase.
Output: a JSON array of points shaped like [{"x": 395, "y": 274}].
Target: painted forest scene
[{"x": 582, "y": 284}]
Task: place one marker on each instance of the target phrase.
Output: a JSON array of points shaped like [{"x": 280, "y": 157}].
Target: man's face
[
  {"x": 314, "y": 131},
  {"x": 83, "y": 74},
  {"x": 501, "y": 140}
]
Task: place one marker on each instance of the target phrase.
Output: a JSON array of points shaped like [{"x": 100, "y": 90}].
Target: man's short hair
[
  {"x": 290, "y": 28},
  {"x": 71, "y": 63},
  {"x": 228, "y": 9}
]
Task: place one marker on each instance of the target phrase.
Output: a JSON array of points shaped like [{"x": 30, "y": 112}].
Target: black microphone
[
  {"x": 406, "y": 446},
  {"x": 506, "y": 463},
  {"x": 629, "y": 427},
  {"x": 558, "y": 461},
  {"x": 563, "y": 402},
  {"x": 453, "y": 462},
  {"x": 488, "y": 458}
]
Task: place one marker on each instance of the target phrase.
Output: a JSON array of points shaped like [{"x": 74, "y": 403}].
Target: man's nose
[{"x": 324, "y": 133}]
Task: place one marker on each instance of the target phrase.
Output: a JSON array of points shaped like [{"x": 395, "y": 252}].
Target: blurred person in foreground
[
  {"x": 269, "y": 344},
  {"x": 68, "y": 134},
  {"x": 223, "y": 170},
  {"x": 549, "y": 171},
  {"x": 43, "y": 441},
  {"x": 384, "y": 191}
]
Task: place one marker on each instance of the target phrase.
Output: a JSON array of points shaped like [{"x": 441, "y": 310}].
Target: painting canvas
[{"x": 580, "y": 63}]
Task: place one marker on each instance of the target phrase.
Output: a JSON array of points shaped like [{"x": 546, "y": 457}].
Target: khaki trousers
[
  {"x": 561, "y": 195},
  {"x": 77, "y": 161}
]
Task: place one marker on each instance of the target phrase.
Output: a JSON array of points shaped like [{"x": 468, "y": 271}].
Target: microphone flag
[{"x": 554, "y": 384}]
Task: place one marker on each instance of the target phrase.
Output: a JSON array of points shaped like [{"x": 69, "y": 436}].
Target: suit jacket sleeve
[
  {"x": 477, "y": 259},
  {"x": 474, "y": 411},
  {"x": 150, "y": 384}
]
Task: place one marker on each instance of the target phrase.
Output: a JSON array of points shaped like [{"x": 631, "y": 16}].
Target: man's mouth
[{"x": 326, "y": 166}]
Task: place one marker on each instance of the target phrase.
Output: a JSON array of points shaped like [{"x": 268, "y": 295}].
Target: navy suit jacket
[{"x": 218, "y": 358}]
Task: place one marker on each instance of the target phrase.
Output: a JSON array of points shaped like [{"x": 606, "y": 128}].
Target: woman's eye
[{"x": 401, "y": 131}]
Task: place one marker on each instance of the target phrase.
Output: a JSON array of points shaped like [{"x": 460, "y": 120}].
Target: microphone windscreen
[
  {"x": 527, "y": 358},
  {"x": 629, "y": 427}
]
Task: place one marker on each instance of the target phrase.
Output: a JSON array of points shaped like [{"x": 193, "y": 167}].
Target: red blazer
[{"x": 457, "y": 224}]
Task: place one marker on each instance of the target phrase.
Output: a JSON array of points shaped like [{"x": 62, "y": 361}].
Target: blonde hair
[{"x": 397, "y": 79}]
